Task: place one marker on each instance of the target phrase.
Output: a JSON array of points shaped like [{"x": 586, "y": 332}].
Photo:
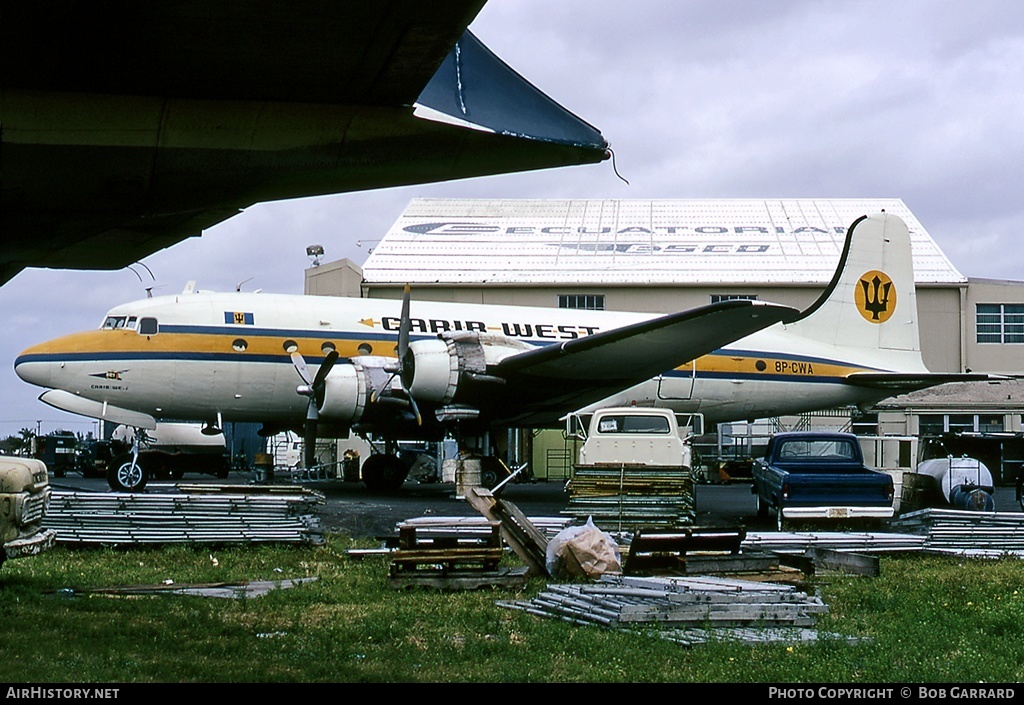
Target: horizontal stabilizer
[
  {"x": 899, "y": 382},
  {"x": 66, "y": 401}
]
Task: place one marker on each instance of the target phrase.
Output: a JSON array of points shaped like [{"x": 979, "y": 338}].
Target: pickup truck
[
  {"x": 807, "y": 475},
  {"x": 634, "y": 468}
]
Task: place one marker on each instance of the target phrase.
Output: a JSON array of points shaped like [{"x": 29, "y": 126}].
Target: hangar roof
[{"x": 740, "y": 241}]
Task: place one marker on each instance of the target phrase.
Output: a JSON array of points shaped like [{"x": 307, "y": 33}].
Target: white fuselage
[{"x": 228, "y": 356}]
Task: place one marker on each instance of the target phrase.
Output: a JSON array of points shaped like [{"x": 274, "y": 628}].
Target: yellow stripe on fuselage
[{"x": 111, "y": 342}]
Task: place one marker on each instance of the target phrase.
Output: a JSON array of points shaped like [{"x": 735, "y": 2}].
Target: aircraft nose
[{"x": 33, "y": 367}]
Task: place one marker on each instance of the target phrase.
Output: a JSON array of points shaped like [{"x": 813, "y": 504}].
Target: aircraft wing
[
  {"x": 557, "y": 379},
  {"x": 902, "y": 382},
  {"x": 129, "y": 126},
  {"x": 66, "y": 401}
]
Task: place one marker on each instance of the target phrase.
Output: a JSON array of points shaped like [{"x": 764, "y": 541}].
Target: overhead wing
[
  {"x": 66, "y": 401},
  {"x": 902, "y": 382},
  {"x": 129, "y": 126},
  {"x": 551, "y": 381}
]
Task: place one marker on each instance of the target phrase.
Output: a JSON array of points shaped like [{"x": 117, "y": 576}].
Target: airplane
[
  {"x": 128, "y": 127},
  {"x": 465, "y": 370}
]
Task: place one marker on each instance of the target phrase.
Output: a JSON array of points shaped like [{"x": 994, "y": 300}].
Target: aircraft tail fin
[{"x": 870, "y": 305}]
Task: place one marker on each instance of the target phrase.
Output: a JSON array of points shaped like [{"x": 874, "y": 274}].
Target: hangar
[{"x": 661, "y": 256}]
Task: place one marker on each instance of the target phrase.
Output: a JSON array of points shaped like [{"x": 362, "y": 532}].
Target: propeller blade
[
  {"x": 404, "y": 329},
  {"x": 415, "y": 410},
  {"x": 309, "y": 439},
  {"x": 300, "y": 366},
  {"x": 405, "y": 326},
  {"x": 325, "y": 369},
  {"x": 376, "y": 393}
]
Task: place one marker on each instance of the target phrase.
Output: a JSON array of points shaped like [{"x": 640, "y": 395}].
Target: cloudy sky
[{"x": 921, "y": 100}]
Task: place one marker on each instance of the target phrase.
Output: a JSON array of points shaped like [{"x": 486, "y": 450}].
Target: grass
[{"x": 928, "y": 619}]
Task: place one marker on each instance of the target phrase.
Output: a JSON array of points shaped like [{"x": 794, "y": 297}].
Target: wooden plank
[
  {"x": 518, "y": 533},
  {"x": 468, "y": 580},
  {"x": 830, "y": 559}
]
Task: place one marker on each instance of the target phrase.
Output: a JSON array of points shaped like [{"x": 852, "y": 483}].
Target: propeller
[
  {"x": 403, "y": 369},
  {"x": 312, "y": 387}
]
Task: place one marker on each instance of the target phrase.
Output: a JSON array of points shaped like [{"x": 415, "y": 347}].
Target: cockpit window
[
  {"x": 113, "y": 322},
  {"x": 148, "y": 326},
  {"x": 130, "y": 325}
]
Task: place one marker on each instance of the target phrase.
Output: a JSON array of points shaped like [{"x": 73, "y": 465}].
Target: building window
[
  {"x": 588, "y": 302},
  {"x": 864, "y": 424},
  {"x": 1000, "y": 323},
  {"x": 931, "y": 425},
  {"x": 990, "y": 424},
  {"x": 937, "y": 424},
  {"x": 960, "y": 423},
  {"x": 716, "y": 298}
]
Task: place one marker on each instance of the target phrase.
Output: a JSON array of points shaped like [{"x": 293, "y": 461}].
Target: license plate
[{"x": 838, "y": 513}]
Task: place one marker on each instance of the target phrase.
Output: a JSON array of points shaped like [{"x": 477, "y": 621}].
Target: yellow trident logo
[{"x": 875, "y": 296}]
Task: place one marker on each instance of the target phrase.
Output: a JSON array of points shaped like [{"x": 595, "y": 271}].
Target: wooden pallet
[
  {"x": 692, "y": 550},
  {"x": 452, "y": 562}
]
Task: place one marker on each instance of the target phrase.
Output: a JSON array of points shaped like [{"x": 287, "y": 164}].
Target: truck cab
[{"x": 634, "y": 436}]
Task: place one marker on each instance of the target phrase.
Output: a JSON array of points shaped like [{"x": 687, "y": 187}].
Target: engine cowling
[
  {"x": 344, "y": 394},
  {"x": 436, "y": 369}
]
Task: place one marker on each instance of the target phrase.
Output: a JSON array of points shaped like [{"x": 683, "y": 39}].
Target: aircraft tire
[
  {"x": 778, "y": 517},
  {"x": 383, "y": 472},
  {"x": 491, "y": 472},
  {"x": 123, "y": 478}
]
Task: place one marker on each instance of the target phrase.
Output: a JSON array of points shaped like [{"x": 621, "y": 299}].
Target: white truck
[
  {"x": 633, "y": 469},
  {"x": 24, "y": 499},
  {"x": 634, "y": 435}
]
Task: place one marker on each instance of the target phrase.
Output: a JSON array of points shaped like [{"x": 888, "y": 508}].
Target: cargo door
[{"x": 678, "y": 384}]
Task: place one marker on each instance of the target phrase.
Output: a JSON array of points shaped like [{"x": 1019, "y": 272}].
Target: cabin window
[
  {"x": 239, "y": 345},
  {"x": 327, "y": 347},
  {"x": 365, "y": 349},
  {"x": 290, "y": 346},
  {"x": 148, "y": 326}
]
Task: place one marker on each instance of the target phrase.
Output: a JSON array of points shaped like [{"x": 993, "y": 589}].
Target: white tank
[{"x": 961, "y": 480}]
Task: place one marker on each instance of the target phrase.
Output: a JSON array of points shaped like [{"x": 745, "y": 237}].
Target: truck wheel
[
  {"x": 762, "y": 507},
  {"x": 123, "y": 477}
]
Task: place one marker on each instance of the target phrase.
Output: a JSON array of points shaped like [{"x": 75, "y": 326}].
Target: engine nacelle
[
  {"x": 432, "y": 370},
  {"x": 435, "y": 369},
  {"x": 344, "y": 395}
]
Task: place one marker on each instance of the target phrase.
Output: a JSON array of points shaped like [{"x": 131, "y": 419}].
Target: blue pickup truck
[{"x": 810, "y": 476}]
